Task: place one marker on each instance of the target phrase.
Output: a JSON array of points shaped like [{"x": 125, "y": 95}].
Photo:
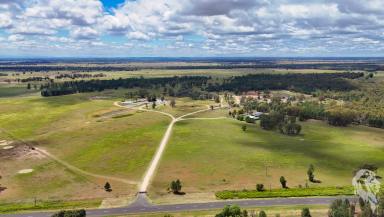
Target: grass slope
[
  {"x": 88, "y": 133},
  {"x": 214, "y": 155}
]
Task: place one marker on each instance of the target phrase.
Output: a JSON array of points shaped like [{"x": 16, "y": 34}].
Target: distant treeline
[
  {"x": 183, "y": 84},
  {"x": 32, "y": 79},
  {"x": 305, "y": 83},
  {"x": 78, "y": 75},
  {"x": 228, "y": 65},
  {"x": 195, "y": 85},
  {"x": 32, "y": 68},
  {"x": 3, "y": 74}
]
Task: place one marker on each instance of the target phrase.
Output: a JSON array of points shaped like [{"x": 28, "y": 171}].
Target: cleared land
[
  {"x": 84, "y": 130},
  {"x": 213, "y": 155},
  {"x": 184, "y": 106}
]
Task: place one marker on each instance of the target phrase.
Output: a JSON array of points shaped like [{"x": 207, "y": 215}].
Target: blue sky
[
  {"x": 118, "y": 28},
  {"x": 112, "y": 3}
]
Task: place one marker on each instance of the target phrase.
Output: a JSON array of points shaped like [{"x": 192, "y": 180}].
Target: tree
[
  {"x": 244, "y": 127},
  {"x": 340, "y": 117},
  {"x": 310, "y": 173},
  {"x": 70, "y": 213},
  {"x": 283, "y": 182},
  {"x": 28, "y": 86},
  {"x": 291, "y": 129},
  {"x": 172, "y": 103},
  {"x": 259, "y": 187},
  {"x": 2, "y": 188},
  {"x": 107, "y": 187},
  {"x": 380, "y": 208},
  {"x": 153, "y": 105},
  {"x": 340, "y": 208},
  {"x": 217, "y": 99},
  {"x": 176, "y": 186},
  {"x": 232, "y": 211},
  {"x": 262, "y": 214},
  {"x": 305, "y": 212}
]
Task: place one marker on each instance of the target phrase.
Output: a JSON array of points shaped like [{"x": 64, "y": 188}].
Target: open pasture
[
  {"x": 84, "y": 131},
  {"x": 213, "y": 155}
]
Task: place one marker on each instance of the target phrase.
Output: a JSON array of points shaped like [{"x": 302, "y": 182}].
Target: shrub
[
  {"x": 70, "y": 213},
  {"x": 283, "y": 182},
  {"x": 262, "y": 214},
  {"x": 305, "y": 212},
  {"x": 232, "y": 210},
  {"x": 260, "y": 187}
]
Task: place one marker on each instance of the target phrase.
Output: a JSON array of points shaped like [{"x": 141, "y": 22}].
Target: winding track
[{"x": 163, "y": 143}]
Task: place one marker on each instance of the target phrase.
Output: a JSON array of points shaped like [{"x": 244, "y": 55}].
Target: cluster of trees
[
  {"x": 31, "y": 79},
  {"x": 376, "y": 122},
  {"x": 79, "y": 75},
  {"x": 306, "y": 83},
  {"x": 286, "y": 124},
  {"x": 47, "y": 68},
  {"x": 338, "y": 208},
  {"x": 175, "y": 187},
  {"x": 283, "y": 115},
  {"x": 236, "y": 211},
  {"x": 3, "y": 74},
  {"x": 367, "y": 101}
]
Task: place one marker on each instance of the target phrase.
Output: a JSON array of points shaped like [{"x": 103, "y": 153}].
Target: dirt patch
[
  {"x": 2, "y": 189},
  {"x": 98, "y": 97},
  {"x": 109, "y": 114},
  {"x": 4, "y": 143},
  {"x": 25, "y": 171},
  {"x": 18, "y": 150}
]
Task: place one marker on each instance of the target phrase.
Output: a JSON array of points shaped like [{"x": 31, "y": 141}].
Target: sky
[{"x": 191, "y": 28}]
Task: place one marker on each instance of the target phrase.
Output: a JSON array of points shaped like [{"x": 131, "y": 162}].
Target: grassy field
[
  {"x": 214, "y": 155},
  {"x": 290, "y": 192},
  {"x": 85, "y": 131},
  {"x": 184, "y": 106},
  {"x": 12, "y": 90}
]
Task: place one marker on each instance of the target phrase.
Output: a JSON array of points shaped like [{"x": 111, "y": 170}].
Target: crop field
[
  {"x": 213, "y": 155},
  {"x": 85, "y": 131}
]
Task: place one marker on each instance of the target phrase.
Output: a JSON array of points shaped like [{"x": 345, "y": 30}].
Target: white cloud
[
  {"x": 215, "y": 26},
  {"x": 5, "y": 20},
  {"x": 15, "y": 38},
  {"x": 84, "y": 33}
]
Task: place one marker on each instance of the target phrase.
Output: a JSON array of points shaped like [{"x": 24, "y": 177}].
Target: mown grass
[
  {"x": 48, "y": 205},
  {"x": 15, "y": 90},
  {"x": 291, "y": 192}
]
